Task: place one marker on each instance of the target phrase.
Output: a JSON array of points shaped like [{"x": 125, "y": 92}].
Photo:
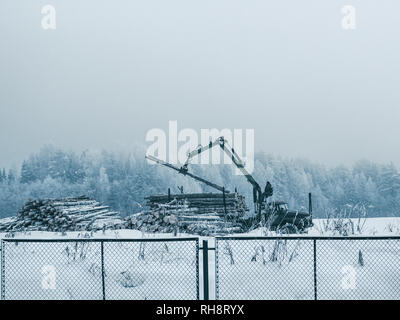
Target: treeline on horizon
[{"x": 123, "y": 180}]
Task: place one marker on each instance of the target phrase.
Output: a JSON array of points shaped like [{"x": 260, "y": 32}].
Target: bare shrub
[
  {"x": 347, "y": 221},
  {"x": 229, "y": 252},
  {"x": 130, "y": 279},
  {"x": 279, "y": 251},
  {"x": 360, "y": 258},
  {"x": 77, "y": 251}
]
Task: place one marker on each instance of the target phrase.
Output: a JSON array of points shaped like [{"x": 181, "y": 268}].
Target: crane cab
[{"x": 278, "y": 217}]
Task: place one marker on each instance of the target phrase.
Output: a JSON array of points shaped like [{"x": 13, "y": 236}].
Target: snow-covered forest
[{"x": 122, "y": 180}]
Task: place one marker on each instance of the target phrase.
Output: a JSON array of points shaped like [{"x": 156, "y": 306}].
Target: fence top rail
[
  {"x": 310, "y": 238},
  {"x": 103, "y": 240}
]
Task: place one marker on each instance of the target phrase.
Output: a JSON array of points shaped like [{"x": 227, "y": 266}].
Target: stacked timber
[
  {"x": 200, "y": 213},
  {"x": 66, "y": 214},
  {"x": 233, "y": 206}
]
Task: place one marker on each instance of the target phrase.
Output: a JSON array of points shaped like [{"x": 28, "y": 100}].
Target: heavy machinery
[
  {"x": 275, "y": 215},
  {"x": 279, "y": 218}
]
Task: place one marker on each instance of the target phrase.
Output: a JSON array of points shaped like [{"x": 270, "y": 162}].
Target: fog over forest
[{"x": 122, "y": 180}]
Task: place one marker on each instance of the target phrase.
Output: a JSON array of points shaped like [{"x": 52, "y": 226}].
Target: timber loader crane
[
  {"x": 275, "y": 214},
  {"x": 186, "y": 173},
  {"x": 259, "y": 197}
]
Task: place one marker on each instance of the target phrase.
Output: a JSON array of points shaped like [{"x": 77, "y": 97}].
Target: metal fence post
[
  {"x": 315, "y": 270},
  {"x": 3, "y": 279},
  {"x": 224, "y": 200},
  {"x": 197, "y": 270},
  {"x": 102, "y": 271},
  {"x": 216, "y": 270},
  {"x": 205, "y": 270}
]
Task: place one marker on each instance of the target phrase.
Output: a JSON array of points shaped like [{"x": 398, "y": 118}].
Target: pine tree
[
  {"x": 390, "y": 181},
  {"x": 113, "y": 199},
  {"x": 389, "y": 188},
  {"x": 27, "y": 174},
  {"x": 11, "y": 177}
]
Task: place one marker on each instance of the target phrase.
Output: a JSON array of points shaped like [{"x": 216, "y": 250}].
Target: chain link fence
[
  {"x": 250, "y": 268},
  {"x": 100, "y": 269},
  {"x": 305, "y": 268}
]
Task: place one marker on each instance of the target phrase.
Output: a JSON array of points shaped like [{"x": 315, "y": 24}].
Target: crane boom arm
[
  {"x": 184, "y": 172},
  {"x": 231, "y": 153}
]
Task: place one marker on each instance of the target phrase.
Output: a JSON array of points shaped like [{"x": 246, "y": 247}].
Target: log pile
[
  {"x": 200, "y": 213},
  {"x": 59, "y": 215},
  {"x": 206, "y": 203}
]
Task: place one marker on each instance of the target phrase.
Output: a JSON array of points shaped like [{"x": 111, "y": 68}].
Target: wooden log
[
  {"x": 58, "y": 214},
  {"x": 189, "y": 196}
]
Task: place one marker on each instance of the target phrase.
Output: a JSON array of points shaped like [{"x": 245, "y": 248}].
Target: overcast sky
[{"x": 112, "y": 70}]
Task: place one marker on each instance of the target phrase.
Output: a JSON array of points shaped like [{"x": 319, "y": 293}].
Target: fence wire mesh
[
  {"x": 245, "y": 268},
  {"x": 358, "y": 269},
  {"x": 264, "y": 269},
  {"x": 86, "y": 269},
  {"x": 151, "y": 270},
  {"x": 307, "y": 268}
]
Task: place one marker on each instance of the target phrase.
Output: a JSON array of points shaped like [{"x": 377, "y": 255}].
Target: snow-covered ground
[
  {"x": 389, "y": 226},
  {"x": 342, "y": 272},
  {"x": 73, "y": 270},
  {"x": 161, "y": 270}
]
